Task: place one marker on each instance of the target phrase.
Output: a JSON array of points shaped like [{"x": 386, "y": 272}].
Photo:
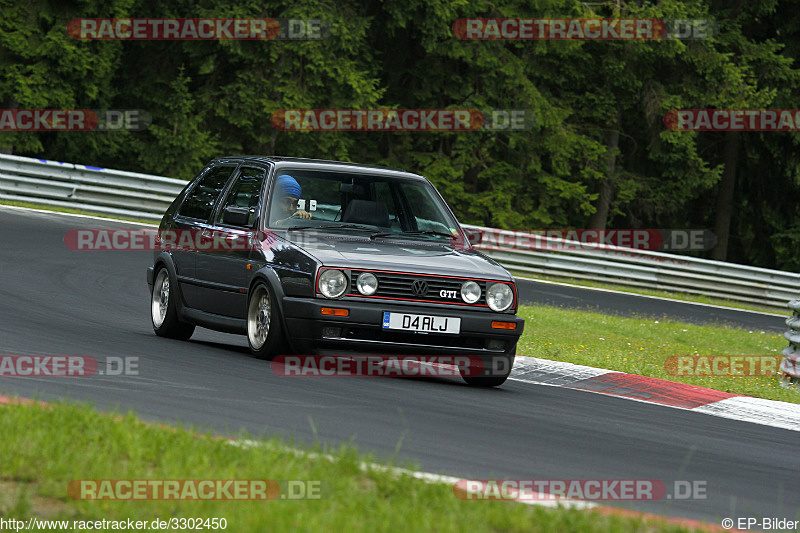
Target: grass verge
[
  {"x": 44, "y": 448},
  {"x": 642, "y": 346}
]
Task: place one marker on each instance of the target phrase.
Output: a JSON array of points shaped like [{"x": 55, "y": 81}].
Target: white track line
[
  {"x": 427, "y": 477},
  {"x": 757, "y": 410},
  {"x": 783, "y": 415},
  {"x": 77, "y": 215}
]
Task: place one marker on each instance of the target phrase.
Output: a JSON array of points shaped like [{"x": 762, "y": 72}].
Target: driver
[{"x": 287, "y": 192}]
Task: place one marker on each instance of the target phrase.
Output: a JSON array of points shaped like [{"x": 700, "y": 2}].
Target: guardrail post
[{"x": 791, "y": 362}]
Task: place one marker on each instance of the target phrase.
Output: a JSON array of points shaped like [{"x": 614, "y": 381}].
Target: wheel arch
[
  {"x": 268, "y": 276},
  {"x": 163, "y": 259}
]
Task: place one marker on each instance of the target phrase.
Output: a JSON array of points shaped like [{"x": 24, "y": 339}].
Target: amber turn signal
[{"x": 335, "y": 311}]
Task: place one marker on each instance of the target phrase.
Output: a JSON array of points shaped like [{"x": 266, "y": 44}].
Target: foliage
[{"x": 211, "y": 98}]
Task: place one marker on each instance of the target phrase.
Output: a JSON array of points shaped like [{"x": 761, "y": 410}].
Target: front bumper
[{"x": 363, "y": 328}]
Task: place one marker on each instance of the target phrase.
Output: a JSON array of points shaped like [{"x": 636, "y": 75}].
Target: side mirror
[
  {"x": 236, "y": 216},
  {"x": 474, "y": 236}
]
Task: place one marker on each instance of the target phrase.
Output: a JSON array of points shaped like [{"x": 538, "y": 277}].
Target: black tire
[
  {"x": 163, "y": 312},
  {"x": 494, "y": 373},
  {"x": 264, "y": 333}
]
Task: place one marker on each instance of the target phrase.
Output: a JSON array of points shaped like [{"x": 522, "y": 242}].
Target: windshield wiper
[
  {"x": 333, "y": 226},
  {"x": 418, "y": 232}
]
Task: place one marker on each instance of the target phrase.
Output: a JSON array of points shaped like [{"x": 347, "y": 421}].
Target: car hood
[{"x": 402, "y": 255}]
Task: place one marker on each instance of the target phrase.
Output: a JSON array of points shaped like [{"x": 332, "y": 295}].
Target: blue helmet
[{"x": 288, "y": 186}]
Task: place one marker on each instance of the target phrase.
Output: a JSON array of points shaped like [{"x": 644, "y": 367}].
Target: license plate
[{"x": 425, "y": 323}]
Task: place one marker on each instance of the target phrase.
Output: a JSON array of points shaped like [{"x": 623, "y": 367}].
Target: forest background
[{"x": 598, "y": 155}]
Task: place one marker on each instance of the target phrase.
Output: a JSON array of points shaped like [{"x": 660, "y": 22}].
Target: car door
[
  {"x": 223, "y": 258},
  {"x": 191, "y": 219}
]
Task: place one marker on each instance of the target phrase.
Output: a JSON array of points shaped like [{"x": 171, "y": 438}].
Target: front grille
[{"x": 402, "y": 286}]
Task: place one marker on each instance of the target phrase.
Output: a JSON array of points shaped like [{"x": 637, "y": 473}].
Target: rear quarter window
[{"x": 200, "y": 201}]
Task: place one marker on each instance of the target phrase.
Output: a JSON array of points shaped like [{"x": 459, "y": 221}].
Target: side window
[
  {"x": 245, "y": 193},
  {"x": 200, "y": 202}
]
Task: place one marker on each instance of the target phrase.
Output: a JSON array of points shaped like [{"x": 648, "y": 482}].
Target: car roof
[{"x": 315, "y": 164}]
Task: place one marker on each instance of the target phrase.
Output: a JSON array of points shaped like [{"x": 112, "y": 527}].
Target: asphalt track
[{"x": 54, "y": 301}]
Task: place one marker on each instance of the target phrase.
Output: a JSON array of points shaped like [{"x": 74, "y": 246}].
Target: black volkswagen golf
[{"x": 301, "y": 255}]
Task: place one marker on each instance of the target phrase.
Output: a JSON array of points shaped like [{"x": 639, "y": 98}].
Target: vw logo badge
[{"x": 420, "y": 287}]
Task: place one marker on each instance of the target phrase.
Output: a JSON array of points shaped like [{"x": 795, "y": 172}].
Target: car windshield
[{"x": 372, "y": 204}]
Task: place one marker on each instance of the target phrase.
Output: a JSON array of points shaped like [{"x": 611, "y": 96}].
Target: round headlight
[
  {"x": 470, "y": 292},
  {"x": 367, "y": 284},
  {"x": 499, "y": 296},
  {"x": 332, "y": 283}
]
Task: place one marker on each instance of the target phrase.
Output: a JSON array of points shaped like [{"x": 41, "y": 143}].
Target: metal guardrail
[
  {"x": 646, "y": 269},
  {"x": 99, "y": 190},
  {"x": 791, "y": 354},
  {"x": 143, "y": 196}
]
